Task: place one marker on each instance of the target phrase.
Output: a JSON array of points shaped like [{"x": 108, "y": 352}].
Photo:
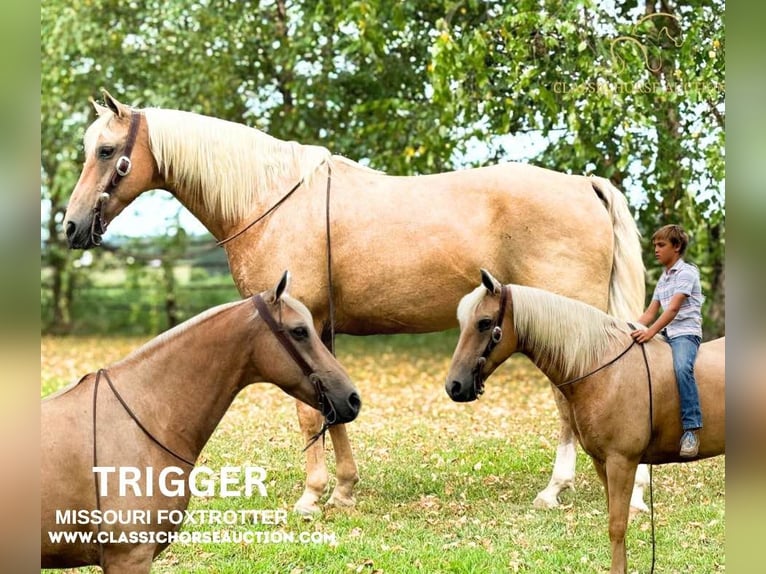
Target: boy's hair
[{"x": 675, "y": 234}]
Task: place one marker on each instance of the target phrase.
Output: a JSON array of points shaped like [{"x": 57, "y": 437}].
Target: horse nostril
[
  {"x": 355, "y": 402},
  {"x": 455, "y": 390},
  {"x": 71, "y": 228}
]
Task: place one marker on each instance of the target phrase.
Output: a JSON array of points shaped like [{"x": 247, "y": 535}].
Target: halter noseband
[
  {"x": 122, "y": 168},
  {"x": 325, "y": 406},
  {"x": 496, "y": 336}
]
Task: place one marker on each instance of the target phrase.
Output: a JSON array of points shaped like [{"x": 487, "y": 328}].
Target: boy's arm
[
  {"x": 650, "y": 313},
  {"x": 662, "y": 321}
]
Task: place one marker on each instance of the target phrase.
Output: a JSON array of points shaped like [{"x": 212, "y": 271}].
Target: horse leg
[
  {"x": 346, "y": 473},
  {"x": 619, "y": 477},
  {"x": 601, "y": 472},
  {"x": 310, "y": 421},
  {"x": 637, "y": 503},
  {"x": 563, "y": 473},
  {"x": 566, "y": 458},
  {"x": 345, "y": 469}
]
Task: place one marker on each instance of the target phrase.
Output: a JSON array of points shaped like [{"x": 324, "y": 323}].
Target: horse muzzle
[
  {"x": 79, "y": 236},
  {"x": 343, "y": 411},
  {"x": 336, "y": 409},
  {"x": 461, "y": 391},
  {"x": 89, "y": 232}
]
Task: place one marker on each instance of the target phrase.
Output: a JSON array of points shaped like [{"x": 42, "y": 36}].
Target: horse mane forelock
[
  {"x": 226, "y": 166},
  {"x": 562, "y": 333}
]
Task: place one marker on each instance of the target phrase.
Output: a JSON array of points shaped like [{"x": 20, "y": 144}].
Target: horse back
[{"x": 711, "y": 359}]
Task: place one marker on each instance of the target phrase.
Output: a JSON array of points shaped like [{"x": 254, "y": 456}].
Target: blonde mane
[
  {"x": 562, "y": 333},
  {"x": 226, "y": 166},
  {"x": 556, "y": 331}
]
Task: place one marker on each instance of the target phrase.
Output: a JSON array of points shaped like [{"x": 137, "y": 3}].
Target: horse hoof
[
  {"x": 341, "y": 502},
  {"x": 307, "y": 509},
  {"x": 543, "y": 503},
  {"x": 637, "y": 506}
]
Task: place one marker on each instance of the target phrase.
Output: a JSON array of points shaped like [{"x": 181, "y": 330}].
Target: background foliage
[{"x": 633, "y": 91}]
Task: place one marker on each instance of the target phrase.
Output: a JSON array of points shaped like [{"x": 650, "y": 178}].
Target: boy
[{"x": 679, "y": 294}]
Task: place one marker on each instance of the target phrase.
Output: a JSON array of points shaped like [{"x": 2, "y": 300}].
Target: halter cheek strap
[
  {"x": 325, "y": 406},
  {"x": 121, "y": 169},
  {"x": 123, "y": 165},
  {"x": 495, "y": 337}
]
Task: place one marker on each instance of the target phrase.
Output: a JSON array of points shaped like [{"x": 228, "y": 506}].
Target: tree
[{"x": 635, "y": 95}]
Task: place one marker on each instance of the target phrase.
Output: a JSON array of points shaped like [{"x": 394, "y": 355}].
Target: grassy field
[{"x": 444, "y": 487}]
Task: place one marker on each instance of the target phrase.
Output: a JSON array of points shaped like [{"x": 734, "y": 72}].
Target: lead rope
[
  {"x": 331, "y": 298},
  {"x": 651, "y": 467},
  {"x": 284, "y": 198},
  {"x": 604, "y": 366},
  {"x": 330, "y": 295},
  {"x": 651, "y": 426},
  {"x": 95, "y": 448},
  {"x": 330, "y": 304},
  {"x": 95, "y": 478}
]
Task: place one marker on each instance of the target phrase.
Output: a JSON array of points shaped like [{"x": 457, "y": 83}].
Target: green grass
[{"x": 445, "y": 488}]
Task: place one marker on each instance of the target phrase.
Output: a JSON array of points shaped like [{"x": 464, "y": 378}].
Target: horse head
[
  {"x": 119, "y": 166},
  {"x": 297, "y": 360},
  {"x": 487, "y": 338}
]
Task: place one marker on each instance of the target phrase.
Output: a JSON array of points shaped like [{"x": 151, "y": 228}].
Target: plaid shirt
[{"x": 682, "y": 278}]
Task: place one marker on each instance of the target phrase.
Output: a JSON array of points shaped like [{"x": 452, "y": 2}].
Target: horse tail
[{"x": 627, "y": 288}]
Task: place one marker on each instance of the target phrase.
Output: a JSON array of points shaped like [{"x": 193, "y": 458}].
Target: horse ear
[
  {"x": 282, "y": 286},
  {"x": 120, "y": 110},
  {"x": 492, "y": 285},
  {"x": 100, "y": 110}
]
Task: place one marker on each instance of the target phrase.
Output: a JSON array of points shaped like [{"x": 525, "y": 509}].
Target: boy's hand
[{"x": 641, "y": 335}]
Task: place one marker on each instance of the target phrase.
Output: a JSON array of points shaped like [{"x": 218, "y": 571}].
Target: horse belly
[{"x": 405, "y": 270}]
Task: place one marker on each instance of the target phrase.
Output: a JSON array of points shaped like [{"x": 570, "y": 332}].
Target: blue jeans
[{"x": 685, "y": 349}]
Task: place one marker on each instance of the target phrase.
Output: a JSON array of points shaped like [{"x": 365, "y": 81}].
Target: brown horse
[
  {"x": 570, "y": 234},
  {"x": 618, "y": 421},
  {"x": 156, "y": 409}
]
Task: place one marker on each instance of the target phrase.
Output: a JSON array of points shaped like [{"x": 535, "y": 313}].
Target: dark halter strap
[
  {"x": 122, "y": 168},
  {"x": 497, "y": 328},
  {"x": 495, "y": 337},
  {"x": 279, "y": 333},
  {"x": 123, "y": 165},
  {"x": 325, "y": 407}
]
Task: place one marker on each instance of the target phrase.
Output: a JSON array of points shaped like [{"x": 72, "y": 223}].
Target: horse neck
[
  {"x": 180, "y": 384},
  {"x": 562, "y": 337},
  {"x": 224, "y": 173}
]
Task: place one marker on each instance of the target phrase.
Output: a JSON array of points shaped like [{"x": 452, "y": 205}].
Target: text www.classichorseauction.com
[{"x": 232, "y": 481}]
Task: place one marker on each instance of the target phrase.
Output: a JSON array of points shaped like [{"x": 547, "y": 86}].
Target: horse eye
[
  {"x": 105, "y": 152},
  {"x": 299, "y": 333},
  {"x": 484, "y": 324}
]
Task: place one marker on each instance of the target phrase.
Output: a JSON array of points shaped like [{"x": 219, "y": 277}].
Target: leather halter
[
  {"x": 122, "y": 168},
  {"x": 495, "y": 337},
  {"x": 325, "y": 406}
]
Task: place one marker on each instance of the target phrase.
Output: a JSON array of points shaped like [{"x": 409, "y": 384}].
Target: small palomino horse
[
  {"x": 611, "y": 407},
  {"x": 259, "y": 195},
  {"x": 156, "y": 410}
]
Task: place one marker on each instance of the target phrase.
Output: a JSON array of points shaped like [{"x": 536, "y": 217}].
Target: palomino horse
[
  {"x": 160, "y": 407},
  {"x": 620, "y": 415},
  {"x": 258, "y": 195}
]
